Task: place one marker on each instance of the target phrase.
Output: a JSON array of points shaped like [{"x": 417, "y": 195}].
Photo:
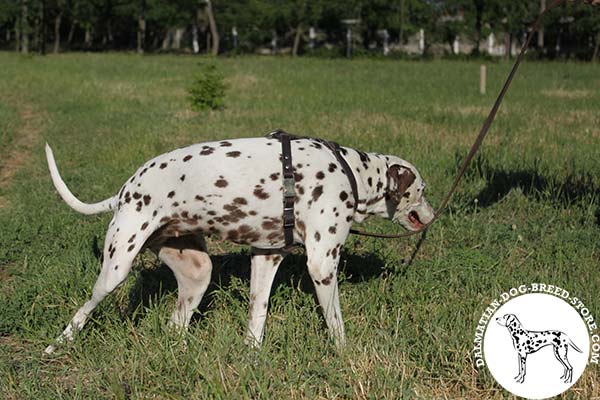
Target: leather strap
[
  {"x": 289, "y": 192},
  {"x": 482, "y": 133},
  {"x": 337, "y": 152}
]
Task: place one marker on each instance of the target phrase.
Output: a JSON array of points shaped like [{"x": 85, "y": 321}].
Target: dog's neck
[{"x": 369, "y": 171}]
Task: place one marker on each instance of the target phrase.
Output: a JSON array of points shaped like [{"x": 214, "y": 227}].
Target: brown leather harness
[
  {"x": 289, "y": 192},
  {"x": 288, "y": 175}
]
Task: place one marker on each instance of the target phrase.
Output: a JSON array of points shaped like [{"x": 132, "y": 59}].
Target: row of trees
[{"x": 246, "y": 25}]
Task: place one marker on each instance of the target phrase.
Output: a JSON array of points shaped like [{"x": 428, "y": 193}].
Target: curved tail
[
  {"x": 573, "y": 345},
  {"x": 69, "y": 198}
]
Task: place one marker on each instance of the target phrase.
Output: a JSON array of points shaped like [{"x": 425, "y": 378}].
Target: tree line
[{"x": 294, "y": 26}]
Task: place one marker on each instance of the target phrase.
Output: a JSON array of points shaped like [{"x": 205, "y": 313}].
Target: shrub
[{"x": 208, "y": 89}]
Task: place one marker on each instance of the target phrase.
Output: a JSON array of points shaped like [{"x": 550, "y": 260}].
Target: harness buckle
[
  {"x": 288, "y": 187},
  {"x": 288, "y": 217}
]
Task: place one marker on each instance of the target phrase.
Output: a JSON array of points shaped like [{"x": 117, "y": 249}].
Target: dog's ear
[{"x": 399, "y": 179}]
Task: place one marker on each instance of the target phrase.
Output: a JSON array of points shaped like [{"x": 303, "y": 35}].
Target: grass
[{"x": 410, "y": 322}]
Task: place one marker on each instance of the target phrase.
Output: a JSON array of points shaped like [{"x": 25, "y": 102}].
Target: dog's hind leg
[
  {"x": 120, "y": 248},
  {"x": 561, "y": 353},
  {"x": 565, "y": 368},
  {"x": 263, "y": 269},
  {"x": 191, "y": 265}
]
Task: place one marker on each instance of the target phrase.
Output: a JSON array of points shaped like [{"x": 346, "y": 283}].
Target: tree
[{"x": 213, "y": 28}]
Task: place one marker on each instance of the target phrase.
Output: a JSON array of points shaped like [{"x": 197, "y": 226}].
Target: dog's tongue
[{"x": 413, "y": 217}]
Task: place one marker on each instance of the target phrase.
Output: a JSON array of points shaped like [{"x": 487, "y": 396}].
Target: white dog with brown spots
[{"x": 234, "y": 189}]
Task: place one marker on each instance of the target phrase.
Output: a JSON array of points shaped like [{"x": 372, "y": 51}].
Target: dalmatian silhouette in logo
[{"x": 528, "y": 342}]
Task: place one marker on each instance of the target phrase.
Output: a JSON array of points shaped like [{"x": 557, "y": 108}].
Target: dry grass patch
[{"x": 567, "y": 94}]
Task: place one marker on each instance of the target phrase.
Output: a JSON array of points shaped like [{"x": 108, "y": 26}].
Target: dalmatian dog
[
  {"x": 233, "y": 189},
  {"x": 528, "y": 342}
]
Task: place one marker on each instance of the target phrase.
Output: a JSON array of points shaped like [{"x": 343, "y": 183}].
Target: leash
[{"x": 482, "y": 133}]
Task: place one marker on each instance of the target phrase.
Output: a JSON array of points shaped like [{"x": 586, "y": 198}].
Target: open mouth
[{"x": 413, "y": 218}]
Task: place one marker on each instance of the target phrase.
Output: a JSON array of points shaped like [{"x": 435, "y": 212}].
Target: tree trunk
[
  {"x": 141, "y": 32},
  {"x": 71, "y": 32},
  {"x": 177, "y": 38},
  {"x": 297, "y": 39},
  {"x": 213, "y": 28},
  {"x": 596, "y": 49},
  {"x": 24, "y": 27},
  {"x": 478, "y": 25},
  {"x": 17, "y": 34},
  {"x": 7, "y": 35},
  {"x": 507, "y": 45},
  {"x": 540, "y": 38},
  {"x": 42, "y": 29},
  {"x": 87, "y": 41},
  {"x": 166, "y": 43},
  {"x": 195, "y": 45},
  {"x": 57, "y": 22},
  {"x": 401, "y": 33}
]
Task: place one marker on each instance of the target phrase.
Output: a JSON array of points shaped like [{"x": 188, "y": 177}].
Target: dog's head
[
  {"x": 508, "y": 320},
  {"x": 405, "y": 200}
]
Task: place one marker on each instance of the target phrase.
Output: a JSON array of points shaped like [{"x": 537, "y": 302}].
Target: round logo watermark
[{"x": 536, "y": 340}]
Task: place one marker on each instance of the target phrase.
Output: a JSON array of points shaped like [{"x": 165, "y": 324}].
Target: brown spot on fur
[
  {"x": 131, "y": 239},
  {"x": 221, "y": 183},
  {"x": 233, "y": 154},
  {"x": 136, "y": 195},
  {"x": 171, "y": 194},
  {"x": 334, "y": 253},
  {"x": 260, "y": 193},
  {"x": 302, "y": 229},
  {"x": 187, "y": 158},
  {"x": 144, "y": 226},
  {"x": 320, "y": 175},
  {"x": 130, "y": 247},
  {"x": 332, "y": 167},
  {"x": 240, "y": 200},
  {"x": 332, "y": 230},
  {"x": 199, "y": 198},
  {"x": 275, "y": 235},
  {"x": 147, "y": 199},
  {"x": 274, "y": 176},
  {"x": 343, "y": 196},
  {"x": 317, "y": 192},
  {"x": 163, "y": 165},
  {"x": 327, "y": 281},
  {"x": 317, "y": 236},
  {"x": 182, "y": 178},
  {"x": 298, "y": 176},
  {"x": 225, "y": 144},
  {"x": 270, "y": 225}
]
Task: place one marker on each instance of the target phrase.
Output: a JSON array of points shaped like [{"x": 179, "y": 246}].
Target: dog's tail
[
  {"x": 68, "y": 197},
  {"x": 573, "y": 346}
]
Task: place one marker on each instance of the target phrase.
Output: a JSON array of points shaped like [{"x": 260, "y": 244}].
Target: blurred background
[{"x": 329, "y": 28}]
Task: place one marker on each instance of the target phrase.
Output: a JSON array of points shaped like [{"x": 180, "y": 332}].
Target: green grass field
[{"x": 410, "y": 321}]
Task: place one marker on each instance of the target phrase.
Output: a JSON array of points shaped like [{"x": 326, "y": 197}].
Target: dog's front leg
[
  {"x": 323, "y": 268},
  {"x": 263, "y": 269}
]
